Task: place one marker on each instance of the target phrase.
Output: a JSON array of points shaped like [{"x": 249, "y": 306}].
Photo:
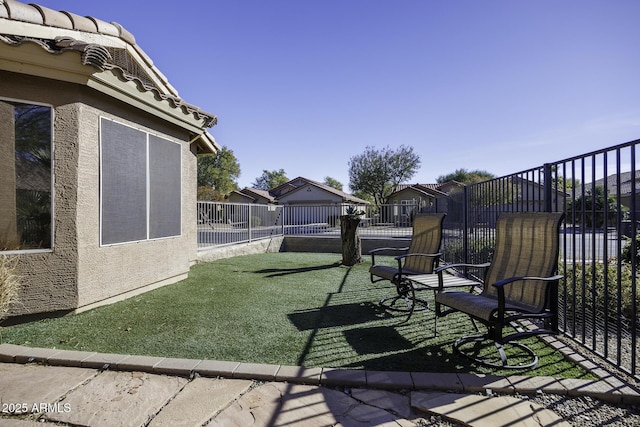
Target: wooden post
[{"x": 351, "y": 247}]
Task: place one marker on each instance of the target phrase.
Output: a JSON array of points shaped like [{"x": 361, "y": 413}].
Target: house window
[
  {"x": 141, "y": 185},
  {"x": 25, "y": 176}
]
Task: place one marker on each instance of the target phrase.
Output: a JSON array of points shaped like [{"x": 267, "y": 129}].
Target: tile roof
[
  {"x": 66, "y": 31},
  {"x": 298, "y": 182},
  {"x": 255, "y": 192}
]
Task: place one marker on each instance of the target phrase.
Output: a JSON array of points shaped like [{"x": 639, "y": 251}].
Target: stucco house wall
[
  {"x": 77, "y": 271},
  {"x": 132, "y": 266}
]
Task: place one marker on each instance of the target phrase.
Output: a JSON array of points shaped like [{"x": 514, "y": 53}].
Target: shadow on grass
[
  {"x": 278, "y": 272},
  {"x": 331, "y": 316},
  {"x": 377, "y": 339}
]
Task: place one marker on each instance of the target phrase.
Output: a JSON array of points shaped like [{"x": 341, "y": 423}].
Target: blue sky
[{"x": 304, "y": 85}]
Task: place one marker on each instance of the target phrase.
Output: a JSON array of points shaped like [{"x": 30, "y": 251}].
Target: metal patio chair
[
  {"x": 420, "y": 257},
  {"x": 520, "y": 283}
]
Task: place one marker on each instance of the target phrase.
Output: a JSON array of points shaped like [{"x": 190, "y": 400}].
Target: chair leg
[
  {"x": 405, "y": 293},
  {"x": 482, "y": 342}
]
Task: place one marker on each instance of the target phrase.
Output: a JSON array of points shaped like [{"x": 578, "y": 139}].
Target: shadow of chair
[
  {"x": 420, "y": 257},
  {"x": 520, "y": 284}
]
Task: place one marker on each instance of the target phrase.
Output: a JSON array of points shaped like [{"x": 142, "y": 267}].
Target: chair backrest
[
  {"x": 426, "y": 239},
  {"x": 527, "y": 244}
]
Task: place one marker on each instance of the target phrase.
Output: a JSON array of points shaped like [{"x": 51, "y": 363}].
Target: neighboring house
[
  {"x": 305, "y": 191},
  {"x": 409, "y": 199},
  {"x": 97, "y": 162},
  {"x": 319, "y": 203},
  {"x": 628, "y": 186}
]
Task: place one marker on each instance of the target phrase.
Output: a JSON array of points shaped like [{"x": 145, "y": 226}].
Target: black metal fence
[{"x": 598, "y": 192}]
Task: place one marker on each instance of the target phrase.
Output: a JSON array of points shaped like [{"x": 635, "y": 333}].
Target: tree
[
  {"x": 464, "y": 176},
  {"x": 270, "y": 179},
  {"x": 376, "y": 172},
  {"x": 595, "y": 209},
  {"x": 218, "y": 171},
  {"x": 333, "y": 183}
]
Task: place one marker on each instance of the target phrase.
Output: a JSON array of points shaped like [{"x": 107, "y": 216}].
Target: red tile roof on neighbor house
[
  {"x": 105, "y": 46},
  {"x": 299, "y": 182}
]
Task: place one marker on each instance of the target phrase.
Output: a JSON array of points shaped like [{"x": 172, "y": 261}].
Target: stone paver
[
  {"x": 343, "y": 377},
  {"x": 299, "y": 374},
  {"x": 256, "y": 371},
  {"x": 214, "y": 368},
  {"x": 182, "y": 367},
  {"x": 139, "y": 363},
  {"x": 165, "y": 391},
  {"x": 102, "y": 360},
  {"x": 294, "y": 404},
  {"x": 483, "y": 382},
  {"x": 486, "y": 411},
  {"x": 531, "y": 385},
  {"x": 387, "y": 400},
  {"x": 436, "y": 381},
  {"x": 34, "y": 385},
  {"x": 389, "y": 379},
  {"x": 70, "y": 358},
  {"x": 7, "y": 422},
  {"x": 117, "y": 398},
  {"x": 199, "y": 401}
]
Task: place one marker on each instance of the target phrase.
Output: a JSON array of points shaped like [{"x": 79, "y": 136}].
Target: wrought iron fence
[
  {"x": 598, "y": 192},
  {"x": 231, "y": 223},
  {"x": 222, "y": 223}
]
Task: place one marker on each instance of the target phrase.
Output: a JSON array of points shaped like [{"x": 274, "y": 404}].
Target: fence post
[
  {"x": 548, "y": 187},
  {"x": 249, "y": 223},
  {"x": 465, "y": 223}
]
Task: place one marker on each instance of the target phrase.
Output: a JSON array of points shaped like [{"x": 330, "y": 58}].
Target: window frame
[
  {"x": 51, "y": 182},
  {"x": 147, "y": 202}
]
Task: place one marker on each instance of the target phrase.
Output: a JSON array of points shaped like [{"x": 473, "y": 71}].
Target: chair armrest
[
  {"x": 500, "y": 284},
  {"x": 503, "y": 282},
  {"x": 373, "y": 252},
  {"x": 439, "y": 271}
]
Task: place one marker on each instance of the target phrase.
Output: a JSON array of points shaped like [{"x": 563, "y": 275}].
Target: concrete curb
[{"x": 609, "y": 388}]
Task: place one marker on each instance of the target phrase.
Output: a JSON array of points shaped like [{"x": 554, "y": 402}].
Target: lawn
[{"x": 284, "y": 308}]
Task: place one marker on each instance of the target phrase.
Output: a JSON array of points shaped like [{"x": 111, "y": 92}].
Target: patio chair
[
  {"x": 520, "y": 283},
  {"x": 420, "y": 257}
]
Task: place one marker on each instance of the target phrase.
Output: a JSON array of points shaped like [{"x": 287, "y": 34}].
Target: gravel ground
[
  {"x": 588, "y": 412},
  {"x": 577, "y": 411}
]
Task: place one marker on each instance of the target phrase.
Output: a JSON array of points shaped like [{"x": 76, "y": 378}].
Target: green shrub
[
  {"x": 480, "y": 250},
  {"x": 627, "y": 250},
  {"x": 256, "y": 221},
  {"x": 604, "y": 283}
]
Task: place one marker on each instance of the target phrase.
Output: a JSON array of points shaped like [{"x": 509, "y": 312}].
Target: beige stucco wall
[
  {"x": 78, "y": 272},
  {"x": 110, "y": 271}
]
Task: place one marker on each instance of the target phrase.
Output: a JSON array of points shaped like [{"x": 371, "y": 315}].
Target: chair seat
[
  {"x": 388, "y": 273},
  {"x": 476, "y": 305}
]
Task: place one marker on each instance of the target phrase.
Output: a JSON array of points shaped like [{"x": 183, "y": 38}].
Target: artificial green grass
[{"x": 283, "y": 308}]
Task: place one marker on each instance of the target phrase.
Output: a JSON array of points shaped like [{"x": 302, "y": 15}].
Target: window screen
[
  {"x": 164, "y": 188},
  {"x": 141, "y": 185}
]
